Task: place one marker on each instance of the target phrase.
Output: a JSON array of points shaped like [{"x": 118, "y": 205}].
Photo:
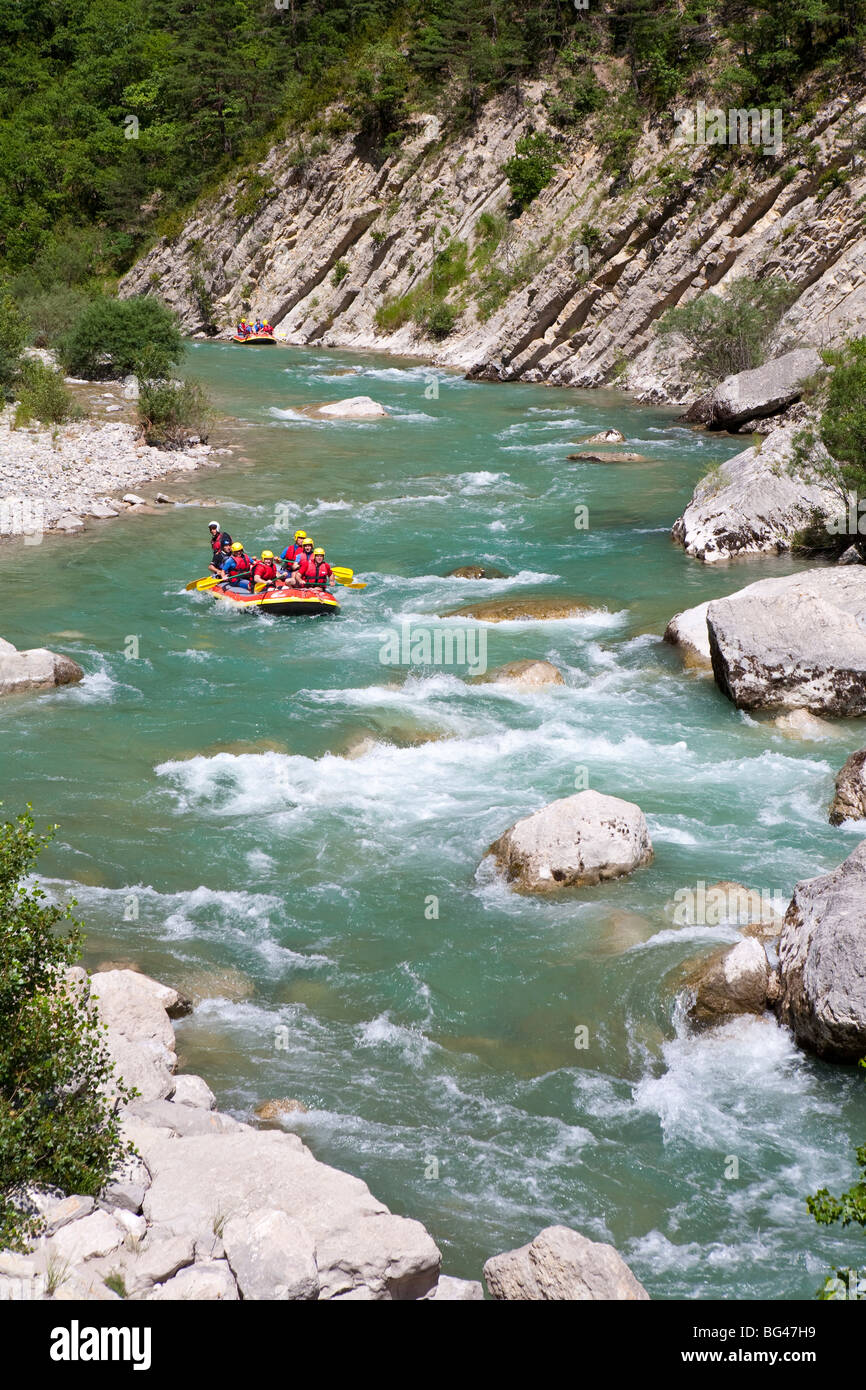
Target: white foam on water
[{"x": 382, "y": 1032}]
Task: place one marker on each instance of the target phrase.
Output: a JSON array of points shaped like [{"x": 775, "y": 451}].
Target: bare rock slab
[
  {"x": 751, "y": 504},
  {"x": 559, "y": 1265},
  {"x": 756, "y": 393},
  {"x": 793, "y": 643},
  {"x": 573, "y": 842},
  {"x": 202, "y": 1181},
  {"x": 271, "y": 1256},
  {"x": 822, "y": 962}
]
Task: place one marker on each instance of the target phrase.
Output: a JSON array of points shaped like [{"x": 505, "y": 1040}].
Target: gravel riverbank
[{"x": 55, "y": 478}]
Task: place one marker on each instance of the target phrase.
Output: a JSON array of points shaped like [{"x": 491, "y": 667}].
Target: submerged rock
[
  {"x": 584, "y": 456},
  {"x": 731, "y": 981},
  {"x": 34, "y": 669},
  {"x": 751, "y": 504},
  {"x": 849, "y": 802},
  {"x": 793, "y": 643},
  {"x": 531, "y": 675},
  {"x": 688, "y": 631},
  {"x": 579, "y": 840},
  {"x": 273, "y": 1109},
  {"x": 562, "y": 1265},
  {"x": 822, "y": 962},
  {"x": 799, "y": 723},
  {"x": 504, "y": 610},
  {"x": 756, "y": 393},
  {"x": 475, "y": 572}
]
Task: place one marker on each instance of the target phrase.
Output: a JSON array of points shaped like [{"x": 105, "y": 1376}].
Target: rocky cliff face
[{"x": 571, "y": 316}]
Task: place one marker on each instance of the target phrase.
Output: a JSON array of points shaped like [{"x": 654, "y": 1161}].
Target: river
[{"x": 352, "y": 948}]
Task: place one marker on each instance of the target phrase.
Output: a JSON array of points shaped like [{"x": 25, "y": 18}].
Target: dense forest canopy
[{"x": 114, "y": 114}]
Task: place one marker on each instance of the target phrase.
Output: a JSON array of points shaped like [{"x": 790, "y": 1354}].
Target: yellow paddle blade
[
  {"x": 207, "y": 583},
  {"x": 194, "y": 583},
  {"x": 342, "y": 574}
]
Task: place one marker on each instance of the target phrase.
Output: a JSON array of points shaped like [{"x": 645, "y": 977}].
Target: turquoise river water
[{"x": 212, "y": 830}]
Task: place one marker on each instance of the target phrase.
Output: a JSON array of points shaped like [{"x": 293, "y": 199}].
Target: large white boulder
[
  {"x": 35, "y": 669},
  {"x": 559, "y": 1265},
  {"x": 140, "y": 1036},
  {"x": 756, "y": 393},
  {"x": 797, "y": 642},
  {"x": 751, "y": 504},
  {"x": 822, "y": 962},
  {"x": 353, "y": 408},
  {"x": 573, "y": 842}
]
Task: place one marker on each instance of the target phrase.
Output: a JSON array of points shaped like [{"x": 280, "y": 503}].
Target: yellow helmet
[
  {"x": 308, "y": 540},
  {"x": 267, "y": 555},
  {"x": 237, "y": 546},
  {"x": 300, "y": 535},
  {"x": 318, "y": 550}
]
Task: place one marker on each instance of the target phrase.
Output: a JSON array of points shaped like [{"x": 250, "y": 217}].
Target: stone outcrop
[
  {"x": 798, "y": 642},
  {"x": 734, "y": 980},
  {"x": 750, "y": 395},
  {"x": 561, "y": 1264},
  {"x": 752, "y": 504},
  {"x": 688, "y": 631},
  {"x": 36, "y": 668},
  {"x": 849, "y": 802},
  {"x": 822, "y": 962},
  {"x": 529, "y": 675},
  {"x": 575, "y": 314},
  {"x": 579, "y": 840}
]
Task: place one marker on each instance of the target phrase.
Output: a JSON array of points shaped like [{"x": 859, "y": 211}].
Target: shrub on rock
[{"x": 58, "y": 1127}]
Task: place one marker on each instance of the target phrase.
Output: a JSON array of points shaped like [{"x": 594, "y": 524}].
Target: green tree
[
  {"x": 116, "y": 336},
  {"x": 58, "y": 1127},
  {"x": 729, "y": 335},
  {"x": 843, "y": 421},
  {"x": 13, "y": 336},
  {"x": 530, "y": 169}
]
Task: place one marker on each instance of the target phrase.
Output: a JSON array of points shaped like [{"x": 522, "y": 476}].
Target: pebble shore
[{"x": 55, "y": 478}]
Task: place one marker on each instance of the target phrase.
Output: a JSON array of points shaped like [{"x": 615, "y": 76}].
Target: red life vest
[
  {"x": 264, "y": 569},
  {"x": 241, "y": 565},
  {"x": 316, "y": 573}
]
